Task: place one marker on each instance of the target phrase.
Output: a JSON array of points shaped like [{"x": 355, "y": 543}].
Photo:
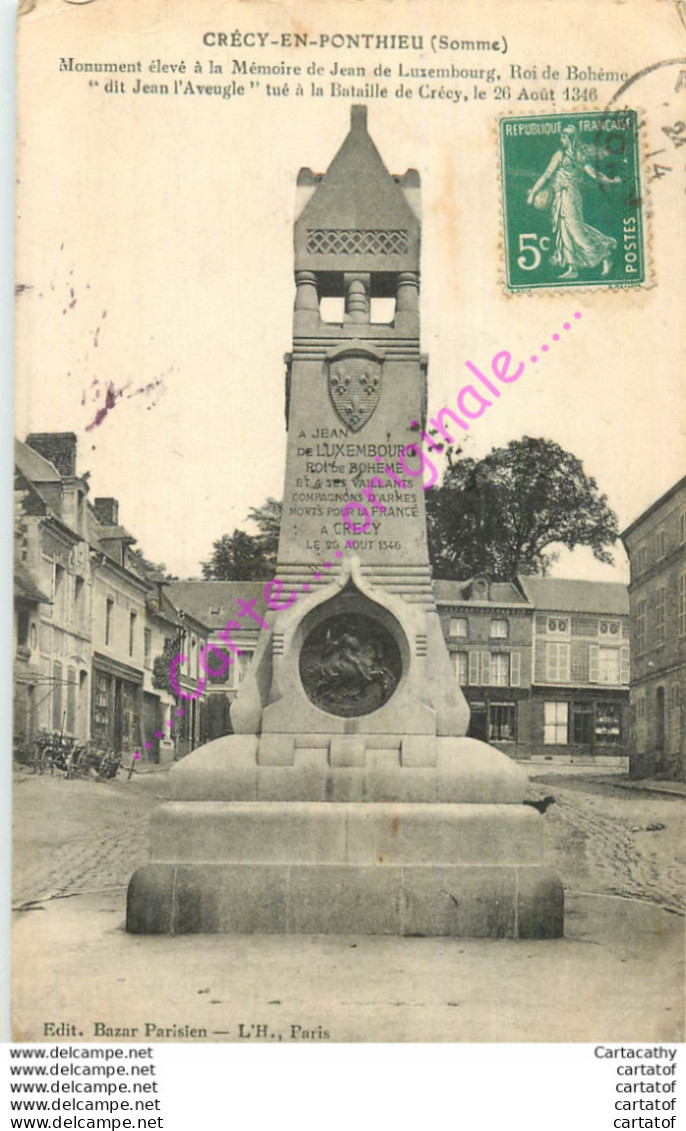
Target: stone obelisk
[{"x": 349, "y": 799}]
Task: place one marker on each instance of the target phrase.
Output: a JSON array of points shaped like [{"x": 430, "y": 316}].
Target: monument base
[{"x": 461, "y": 870}]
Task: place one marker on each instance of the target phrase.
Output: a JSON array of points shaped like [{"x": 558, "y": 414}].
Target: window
[
  {"x": 609, "y": 628},
  {"x": 459, "y": 626},
  {"x": 460, "y": 661},
  {"x": 147, "y": 647},
  {"x": 641, "y": 559},
  {"x": 660, "y": 603},
  {"x": 682, "y": 604},
  {"x": 641, "y": 624},
  {"x": 109, "y": 617},
  {"x": 676, "y": 696},
  {"x": 498, "y": 630},
  {"x": 640, "y": 706},
  {"x": 500, "y": 669},
  {"x": 558, "y": 625},
  {"x": 71, "y": 701},
  {"x": 60, "y": 583},
  {"x": 23, "y": 622},
  {"x": 132, "y": 633},
  {"x": 501, "y": 722},
  {"x": 80, "y": 602},
  {"x": 555, "y": 723},
  {"x": 608, "y": 665},
  {"x": 581, "y": 723},
  {"x": 557, "y": 662},
  {"x": 607, "y": 723},
  {"x": 661, "y": 544},
  {"x": 682, "y": 528}
]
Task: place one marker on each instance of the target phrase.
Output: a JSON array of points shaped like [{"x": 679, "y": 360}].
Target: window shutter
[
  {"x": 474, "y": 668},
  {"x": 563, "y": 670},
  {"x": 485, "y": 668},
  {"x": 625, "y": 673},
  {"x": 515, "y": 665},
  {"x": 593, "y": 663},
  {"x": 551, "y": 655}
]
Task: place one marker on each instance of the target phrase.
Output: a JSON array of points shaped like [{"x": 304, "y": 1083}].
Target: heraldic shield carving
[{"x": 355, "y": 388}]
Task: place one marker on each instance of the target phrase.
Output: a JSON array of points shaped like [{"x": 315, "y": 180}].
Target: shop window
[
  {"x": 500, "y": 669},
  {"x": 582, "y": 714},
  {"x": 607, "y": 717},
  {"x": 557, "y": 662},
  {"x": 498, "y": 630},
  {"x": 459, "y": 626},
  {"x": 555, "y": 723},
  {"x": 461, "y": 665},
  {"x": 502, "y": 722}
]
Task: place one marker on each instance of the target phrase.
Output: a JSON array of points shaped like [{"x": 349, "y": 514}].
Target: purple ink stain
[
  {"x": 556, "y": 337},
  {"x": 545, "y": 348},
  {"x": 316, "y": 576},
  {"x": 137, "y": 755},
  {"x": 306, "y": 588},
  {"x": 169, "y": 723},
  {"x": 159, "y": 734},
  {"x": 339, "y": 553},
  {"x": 534, "y": 358},
  {"x": 148, "y": 745},
  {"x": 179, "y": 712},
  {"x": 577, "y": 314},
  {"x": 328, "y": 565},
  {"x": 567, "y": 326}
]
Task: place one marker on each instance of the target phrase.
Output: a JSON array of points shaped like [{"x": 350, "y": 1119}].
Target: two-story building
[
  {"x": 656, "y": 545},
  {"x": 580, "y": 682},
  {"x": 543, "y": 663}
]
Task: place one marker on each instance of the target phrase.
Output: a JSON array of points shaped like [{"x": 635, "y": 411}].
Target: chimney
[
  {"x": 107, "y": 511},
  {"x": 57, "y": 447}
]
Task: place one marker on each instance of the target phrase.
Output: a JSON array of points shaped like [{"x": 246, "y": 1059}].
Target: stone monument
[{"x": 349, "y": 799}]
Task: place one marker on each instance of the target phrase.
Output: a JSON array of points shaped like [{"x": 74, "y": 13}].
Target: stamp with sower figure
[{"x": 572, "y": 208}]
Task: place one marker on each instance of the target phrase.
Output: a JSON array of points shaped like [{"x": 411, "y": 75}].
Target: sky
[{"x": 155, "y": 256}]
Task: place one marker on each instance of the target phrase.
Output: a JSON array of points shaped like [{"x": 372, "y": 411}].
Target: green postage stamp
[{"x": 571, "y": 200}]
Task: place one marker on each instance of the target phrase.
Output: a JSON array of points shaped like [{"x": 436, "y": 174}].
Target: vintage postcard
[{"x": 350, "y": 522}]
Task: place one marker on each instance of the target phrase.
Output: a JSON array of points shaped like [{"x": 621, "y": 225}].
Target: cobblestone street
[{"x": 85, "y": 836}]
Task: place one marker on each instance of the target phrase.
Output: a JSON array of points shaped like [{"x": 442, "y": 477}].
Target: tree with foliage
[
  {"x": 247, "y": 557},
  {"x": 501, "y": 514}
]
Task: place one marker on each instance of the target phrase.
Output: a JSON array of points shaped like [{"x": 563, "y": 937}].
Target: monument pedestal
[
  {"x": 442, "y": 862},
  {"x": 349, "y": 799}
]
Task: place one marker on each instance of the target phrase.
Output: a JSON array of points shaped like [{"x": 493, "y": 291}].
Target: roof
[
  {"x": 34, "y": 466},
  {"x": 653, "y": 507},
  {"x": 213, "y": 603},
  {"x": 560, "y": 594},
  {"x": 457, "y": 593},
  {"x": 25, "y": 586}
]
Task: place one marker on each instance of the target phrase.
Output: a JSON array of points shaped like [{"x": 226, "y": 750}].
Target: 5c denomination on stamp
[{"x": 572, "y": 208}]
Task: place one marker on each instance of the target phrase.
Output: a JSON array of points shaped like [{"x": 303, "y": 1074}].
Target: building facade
[
  {"x": 656, "y": 545},
  {"x": 89, "y": 621},
  {"x": 544, "y": 664}
]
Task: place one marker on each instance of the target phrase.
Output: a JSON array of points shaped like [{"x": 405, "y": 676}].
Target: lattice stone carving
[{"x": 353, "y": 241}]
